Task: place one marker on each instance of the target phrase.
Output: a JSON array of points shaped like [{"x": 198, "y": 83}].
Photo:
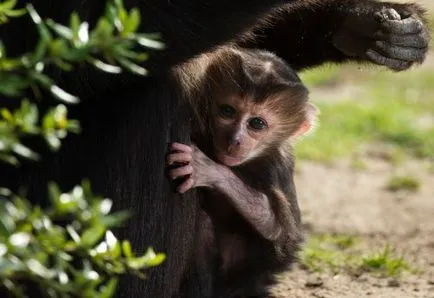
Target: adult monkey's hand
[{"x": 394, "y": 37}]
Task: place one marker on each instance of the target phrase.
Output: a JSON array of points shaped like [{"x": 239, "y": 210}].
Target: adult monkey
[{"x": 123, "y": 117}]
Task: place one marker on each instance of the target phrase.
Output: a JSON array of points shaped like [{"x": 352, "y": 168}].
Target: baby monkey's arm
[{"x": 201, "y": 171}]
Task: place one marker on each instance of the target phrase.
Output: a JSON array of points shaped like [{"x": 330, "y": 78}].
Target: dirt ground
[{"x": 339, "y": 199}]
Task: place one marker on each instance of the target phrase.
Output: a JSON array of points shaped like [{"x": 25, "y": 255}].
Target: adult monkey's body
[{"x": 128, "y": 122}]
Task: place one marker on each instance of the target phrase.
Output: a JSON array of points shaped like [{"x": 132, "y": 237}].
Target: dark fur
[
  {"x": 315, "y": 23},
  {"x": 128, "y": 121},
  {"x": 257, "y": 259}
]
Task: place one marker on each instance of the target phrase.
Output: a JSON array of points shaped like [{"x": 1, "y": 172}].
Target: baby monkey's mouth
[{"x": 229, "y": 160}]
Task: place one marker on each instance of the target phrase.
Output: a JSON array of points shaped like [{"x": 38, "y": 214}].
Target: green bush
[{"x": 67, "y": 248}]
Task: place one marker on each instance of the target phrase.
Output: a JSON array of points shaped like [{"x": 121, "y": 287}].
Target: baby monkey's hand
[{"x": 190, "y": 163}]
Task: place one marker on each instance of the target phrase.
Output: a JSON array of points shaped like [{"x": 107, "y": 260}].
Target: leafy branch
[
  {"x": 7, "y": 11},
  {"x": 111, "y": 46},
  {"x": 66, "y": 247}
]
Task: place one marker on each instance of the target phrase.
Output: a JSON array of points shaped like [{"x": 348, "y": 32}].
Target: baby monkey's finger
[
  {"x": 178, "y": 158},
  {"x": 180, "y": 147},
  {"x": 180, "y": 172},
  {"x": 186, "y": 185}
]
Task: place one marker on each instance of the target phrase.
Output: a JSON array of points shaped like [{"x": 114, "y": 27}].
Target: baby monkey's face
[{"x": 239, "y": 127}]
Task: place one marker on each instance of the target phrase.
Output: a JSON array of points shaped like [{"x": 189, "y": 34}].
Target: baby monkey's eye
[
  {"x": 227, "y": 111},
  {"x": 257, "y": 123}
]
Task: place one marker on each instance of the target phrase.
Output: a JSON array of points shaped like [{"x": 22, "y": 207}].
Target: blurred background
[{"x": 365, "y": 181}]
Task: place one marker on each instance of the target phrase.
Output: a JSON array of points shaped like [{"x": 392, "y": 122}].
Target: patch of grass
[
  {"x": 342, "y": 241},
  {"x": 385, "y": 263},
  {"x": 394, "y": 155},
  {"x": 358, "y": 164},
  {"x": 324, "y": 252},
  {"x": 395, "y": 109},
  {"x": 339, "y": 253},
  {"x": 387, "y": 152},
  {"x": 408, "y": 183}
]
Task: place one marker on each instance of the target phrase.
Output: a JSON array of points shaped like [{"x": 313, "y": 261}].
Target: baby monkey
[{"x": 249, "y": 108}]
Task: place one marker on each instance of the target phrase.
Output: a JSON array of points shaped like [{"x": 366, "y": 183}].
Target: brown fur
[{"x": 260, "y": 82}]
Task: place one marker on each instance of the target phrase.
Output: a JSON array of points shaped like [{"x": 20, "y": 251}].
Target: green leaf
[
  {"x": 12, "y": 85},
  {"x": 103, "y": 30},
  {"x": 24, "y": 151},
  {"x": 73, "y": 233},
  {"x": 61, "y": 30},
  {"x": 109, "y": 289},
  {"x": 29, "y": 115},
  {"x": 42, "y": 79},
  {"x": 10, "y": 159},
  {"x": 37, "y": 268},
  {"x": 83, "y": 32},
  {"x": 22, "y": 205},
  {"x": 92, "y": 235},
  {"x": 60, "y": 115},
  {"x": 87, "y": 189},
  {"x": 104, "y": 66},
  {"x": 16, "y": 12},
  {"x": 2, "y": 51},
  {"x": 54, "y": 194},
  {"x": 74, "y": 23},
  {"x": 115, "y": 219},
  {"x": 122, "y": 51},
  {"x": 63, "y": 95},
  {"x": 150, "y": 259},
  {"x": 6, "y": 114},
  {"x": 148, "y": 41},
  {"x": 132, "y": 23},
  {"x": 20, "y": 239},
  {"x": 119, "y": 4},
  {"x": 63, "y": 65},
  {"x": 104, "y": 206},
  {"x": 68, "y": 203},
  {"x": 8, "y": 267},
  {"x": 44, "y": 34},
  {"x": 156, "y": 259},
  {"x": 126, "y": 249},
  {"x": 53, "y": 141},
  {"x": 48, "y": 122},
  {"x": 5, "y": 192},
  {"x": 3, "y": 250},
  {"x": 77, "y": 54},
  {"x": 114, "y": 245},
  {"x": 7, "y": 5},
  {"x": 134, "y": 68}
]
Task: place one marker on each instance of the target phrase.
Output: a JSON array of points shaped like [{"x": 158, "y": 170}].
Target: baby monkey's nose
[{"x": 234, "y": 145}]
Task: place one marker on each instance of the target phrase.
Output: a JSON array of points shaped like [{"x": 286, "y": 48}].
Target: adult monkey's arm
[{"x": 306, "y": 34}]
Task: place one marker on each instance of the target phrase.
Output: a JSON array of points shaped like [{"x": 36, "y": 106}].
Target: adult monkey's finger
[
  {"x": 410, "y": 25},
  {"x": 394, "y": 64},
  {"x": 418, "y": 41},
  {"x": 400, "y": 53}
]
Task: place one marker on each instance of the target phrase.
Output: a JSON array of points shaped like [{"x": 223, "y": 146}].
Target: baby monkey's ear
[{"x": 311, "y": 112}]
